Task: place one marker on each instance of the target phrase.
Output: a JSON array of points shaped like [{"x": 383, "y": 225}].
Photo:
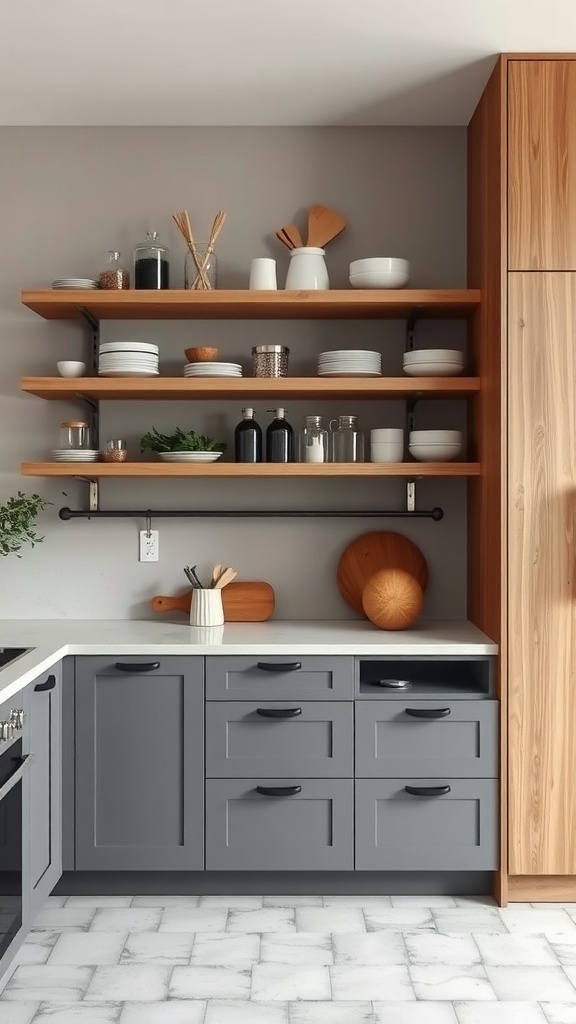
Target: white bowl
[
  {"x": 433, "y": 369},
  {"x": 435, "y": 452},
  {"x": 434, "y": 355},
  {"x": 379, "y": 279},
  {"x": 380, "y": 264},
  {"x": 435, "y": 437},
  {"x": 387, "y": 435},
  {"x": 71, "y": 368}
]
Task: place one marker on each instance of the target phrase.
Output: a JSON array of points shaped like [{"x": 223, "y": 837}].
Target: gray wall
[{"x": 70, "y": 194}]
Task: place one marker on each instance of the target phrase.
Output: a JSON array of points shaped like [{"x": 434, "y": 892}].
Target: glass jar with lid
[
  {"x": 313, "y": 440},
  {"x": 74, "y": 436},
  {"x": 151, "y": 267},
  {"x": 115, "y": 275},
  {"x": 347, "y": 440}
]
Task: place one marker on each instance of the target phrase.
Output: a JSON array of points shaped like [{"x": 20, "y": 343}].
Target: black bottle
[
  {"x": 279, "y": 439},
  {"x": 248, "y": 439}
]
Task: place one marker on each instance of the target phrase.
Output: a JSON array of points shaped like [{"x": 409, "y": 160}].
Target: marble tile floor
[{"x": 294, "y": 960}]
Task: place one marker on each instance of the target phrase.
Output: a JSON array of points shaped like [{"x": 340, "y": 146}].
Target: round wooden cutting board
[{"x": 371, "y": 552}]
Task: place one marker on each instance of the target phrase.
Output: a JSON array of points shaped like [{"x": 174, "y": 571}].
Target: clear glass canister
[
  {"x": 200, "y": 268},
  {"x": 151, "y": 267},
  {"x": 74, "y": 435},
  {"x": 270, "y": 360},
  {"x": 313, "y": 440},
  {"x": 347, "y": 440},
  {"x": 115, "y": 275}
]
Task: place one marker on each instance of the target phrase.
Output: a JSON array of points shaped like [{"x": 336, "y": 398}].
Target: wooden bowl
[
  {"x": 201, "y": 355},
  {"x": 392, "y": 599}
]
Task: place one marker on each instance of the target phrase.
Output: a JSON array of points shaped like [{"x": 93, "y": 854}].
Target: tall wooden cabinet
[{"x": 522, "y": 241}]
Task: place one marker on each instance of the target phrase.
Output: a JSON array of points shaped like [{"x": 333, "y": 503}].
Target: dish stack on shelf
[
  {"x": 433, "y": 362},
  {"x": 189, "y": 456},
  {"x": 128, "y": 359},
  {"x": 75, "y": 455},
  {"x": 212, "y": 369},
  {"x": 84, "y": 283},
  {"x": 350, "y": 363}
]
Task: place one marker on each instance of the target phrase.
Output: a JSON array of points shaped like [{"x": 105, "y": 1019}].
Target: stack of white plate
[
  {"x": 190, "y": 456},
  {"x": 212, "y": 369},
  {"x": 349, "y": 363},
  {"x": 433, "y": 362},
  {"x": 74, "y": 282},
  {"x": 128, "y": 359},
  {"x": 75, "y": 455}
]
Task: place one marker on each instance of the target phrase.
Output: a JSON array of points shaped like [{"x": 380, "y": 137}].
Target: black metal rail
[{"x": 69, "y": 513}]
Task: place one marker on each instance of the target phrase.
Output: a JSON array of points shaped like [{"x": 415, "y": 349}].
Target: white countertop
[{"x": 51, "y": 640}]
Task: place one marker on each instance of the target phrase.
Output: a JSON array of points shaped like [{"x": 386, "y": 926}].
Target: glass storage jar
[
  {"x": 74, "y": 435},
  {"x": 115, "y": 275},
  {"x": 313, "y": 440},
  {"x": 347, "y": 440},
  {"x": 270, "y": 360},
  {"x": 151, "y": 267},
  {"x": 200, "y": 267}
]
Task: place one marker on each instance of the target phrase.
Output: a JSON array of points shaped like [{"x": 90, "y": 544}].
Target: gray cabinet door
[
  {"x": 45, "y": 745},
  {"x": 139, "y": 763},
  {"x": 400, "y": 831},
  {"x": 427, "y": 738},
  {"x": 312, "y": 830},
  {"x": 245, "y": 739},
  {"x": 279, "y": 677}
]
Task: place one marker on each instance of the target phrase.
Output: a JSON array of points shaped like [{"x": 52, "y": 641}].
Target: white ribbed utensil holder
[{"x": 206, "y": 608}]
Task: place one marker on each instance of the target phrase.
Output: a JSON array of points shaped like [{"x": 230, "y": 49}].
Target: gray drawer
[
  {"x": 310, "y": 831},
  {"x": 278, "y": 678},
  {"x": 391, "y": 742},
  {"x": 397, "y": 831},
  {"x": 317, "y": 740}
]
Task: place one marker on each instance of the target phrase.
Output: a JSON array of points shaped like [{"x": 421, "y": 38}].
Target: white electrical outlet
[{"x": 149, "y": 546}]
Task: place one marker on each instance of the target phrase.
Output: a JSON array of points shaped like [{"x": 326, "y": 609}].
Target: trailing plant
[
  {"x": 18, "y": 522},
  {"x": 179, "y": 441}
]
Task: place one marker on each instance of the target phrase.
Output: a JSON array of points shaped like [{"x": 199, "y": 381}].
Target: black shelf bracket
[
  {"x": 411, "y": 322},
  {"x": 93, "y": 347}
]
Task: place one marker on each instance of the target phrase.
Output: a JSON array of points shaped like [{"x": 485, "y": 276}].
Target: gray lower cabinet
[
  {"x": 271, "y": 824},
  {"x": 139, "y": 763},
  {"x": 313, "y": 739},
  {"x": 436, "y": 738},
  {"x": 421, "y": 824},
  {"x": 44, "y": 738},
  {"x": 274, "y": 677}
]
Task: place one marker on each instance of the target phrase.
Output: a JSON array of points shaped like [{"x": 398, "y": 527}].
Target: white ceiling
[{"x": 262, "y": 62}]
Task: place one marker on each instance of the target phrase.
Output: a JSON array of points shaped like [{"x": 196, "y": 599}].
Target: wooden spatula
[
  {"x": 284, "y": 239},
  {"x": 293, "y": 235},
  {"x": 323, "y": 225}
]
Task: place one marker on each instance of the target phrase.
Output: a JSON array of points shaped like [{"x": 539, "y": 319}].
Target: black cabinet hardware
[
  {"x": 48, "y": 684},
  {"x": 278, "y": 790},
  {"x": 279, "y": 712},
  {"x": 288, "y": 666},
  {"x": 428, "y": 712},
  {"x": 148, "y": 666},
  {"x": 427, "y": 790}
]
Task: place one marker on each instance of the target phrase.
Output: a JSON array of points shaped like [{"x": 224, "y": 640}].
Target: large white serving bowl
[
  {"x": 433, "y": 369},
  {"x": 437, "y": 355},
  {"x": 379, "y": 272},
  {"x": 435, "y": 437},
  {"x": 435, "y": 452}
]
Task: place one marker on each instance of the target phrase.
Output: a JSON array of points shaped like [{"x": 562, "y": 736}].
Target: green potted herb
[{"x": 18, "y": 522}]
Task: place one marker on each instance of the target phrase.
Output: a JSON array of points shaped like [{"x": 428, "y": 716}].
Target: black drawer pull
[
  {"x": 279, "y": 712},
  {"x": 428, "y": 712},
  {"x": 148, "y": 666},
  {"x": 288, "y": 666},
  {"x": 278, "y": 790},
  {"x": 427, "y": 790},
  {"x": 48, "y": 684}
]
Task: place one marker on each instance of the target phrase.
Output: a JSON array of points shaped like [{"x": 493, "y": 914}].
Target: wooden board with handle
[
  {"x": 243, "y": 600},
  {"x": 370, "y": 552}
]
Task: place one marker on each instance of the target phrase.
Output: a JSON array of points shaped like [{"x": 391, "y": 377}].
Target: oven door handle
[{"x": 16, "y": 776}]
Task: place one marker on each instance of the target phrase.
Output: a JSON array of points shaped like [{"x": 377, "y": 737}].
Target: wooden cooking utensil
[
  {"x": 373, "y": 551},
  {"x": 323, "y": 225},
  {"x": 244, "y": 601},
  {"x": 392, "y": 599},
  {"x": 225, "y": 579},
  {"x": 284, "y": 239},
  {"x": 293, "y": 235}
]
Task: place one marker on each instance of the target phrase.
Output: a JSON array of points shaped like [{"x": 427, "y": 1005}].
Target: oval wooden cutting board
[
  {"x": 243, "y": 600},
  {"x": 373, "y": 551}
]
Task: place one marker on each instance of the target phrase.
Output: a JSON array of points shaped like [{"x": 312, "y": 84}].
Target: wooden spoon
[
  {"x": 293, "y": 235},
  {"x": 216, "y": 572},
  {"x": 323, "y": 225},
  {"x": 285, "y": 241},
  {"x": 227, "y": 576}
]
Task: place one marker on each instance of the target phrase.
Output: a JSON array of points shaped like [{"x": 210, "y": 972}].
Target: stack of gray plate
[{"x": 128, "y": 359}]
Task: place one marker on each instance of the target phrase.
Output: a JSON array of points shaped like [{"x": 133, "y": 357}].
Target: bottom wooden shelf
[{"x": 99, "y": 470}]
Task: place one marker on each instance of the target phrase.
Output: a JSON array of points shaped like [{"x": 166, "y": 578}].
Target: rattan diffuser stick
[{"x": 182, "y": 221}]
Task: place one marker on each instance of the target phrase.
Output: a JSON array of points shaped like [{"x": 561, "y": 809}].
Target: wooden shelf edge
[{"x": 98, "y": 470}]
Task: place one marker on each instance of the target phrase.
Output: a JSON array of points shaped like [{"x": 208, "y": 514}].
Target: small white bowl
[
  {"x": 434, "y": 355},
  {"x": 386, "y": 435},
  {"x": 433, "y": 369},
  {"x": 381, "y": 265},
  {"x": 435, "y": 452},
  {"x": 71, "y": 368},
  {"x": 435, "y": 437}
]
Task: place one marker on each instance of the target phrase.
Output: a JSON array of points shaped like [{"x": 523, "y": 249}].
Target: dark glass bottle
[
  {"x": 279, "y": 439},
  {"x": 248, "y": 439}
]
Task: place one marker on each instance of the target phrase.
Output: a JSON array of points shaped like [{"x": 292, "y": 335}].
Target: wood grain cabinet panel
[
  {"x": 542, "y": 164},
  {"x": 542, "y": 573}
]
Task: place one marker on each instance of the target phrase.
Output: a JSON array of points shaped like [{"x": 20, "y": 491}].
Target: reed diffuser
[{"x": 203, "y": 257}]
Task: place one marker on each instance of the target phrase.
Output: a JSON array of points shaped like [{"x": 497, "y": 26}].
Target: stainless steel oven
[{"x": 13, "y": 767}]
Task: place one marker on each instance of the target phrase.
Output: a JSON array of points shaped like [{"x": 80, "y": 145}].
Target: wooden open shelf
[
  {"x": 98, "y": 470},
  {"x": 251, "y": 305},
  {"x": 181, "y": 388}
]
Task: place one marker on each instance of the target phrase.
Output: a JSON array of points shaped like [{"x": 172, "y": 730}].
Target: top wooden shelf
[{"x": 251, "y": 305}]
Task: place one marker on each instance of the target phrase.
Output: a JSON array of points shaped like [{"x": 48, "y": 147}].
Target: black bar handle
[
  {"x": 427, "y": 790},
  {"x": 428, "y": 712},
  {"x": 287, "y": 666},
  {"x": 278, "y": 790},
  {"x": 48, "y": 684},
  {"x": 279, "y": 712},
  {"x": 148, "y": 666}
]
